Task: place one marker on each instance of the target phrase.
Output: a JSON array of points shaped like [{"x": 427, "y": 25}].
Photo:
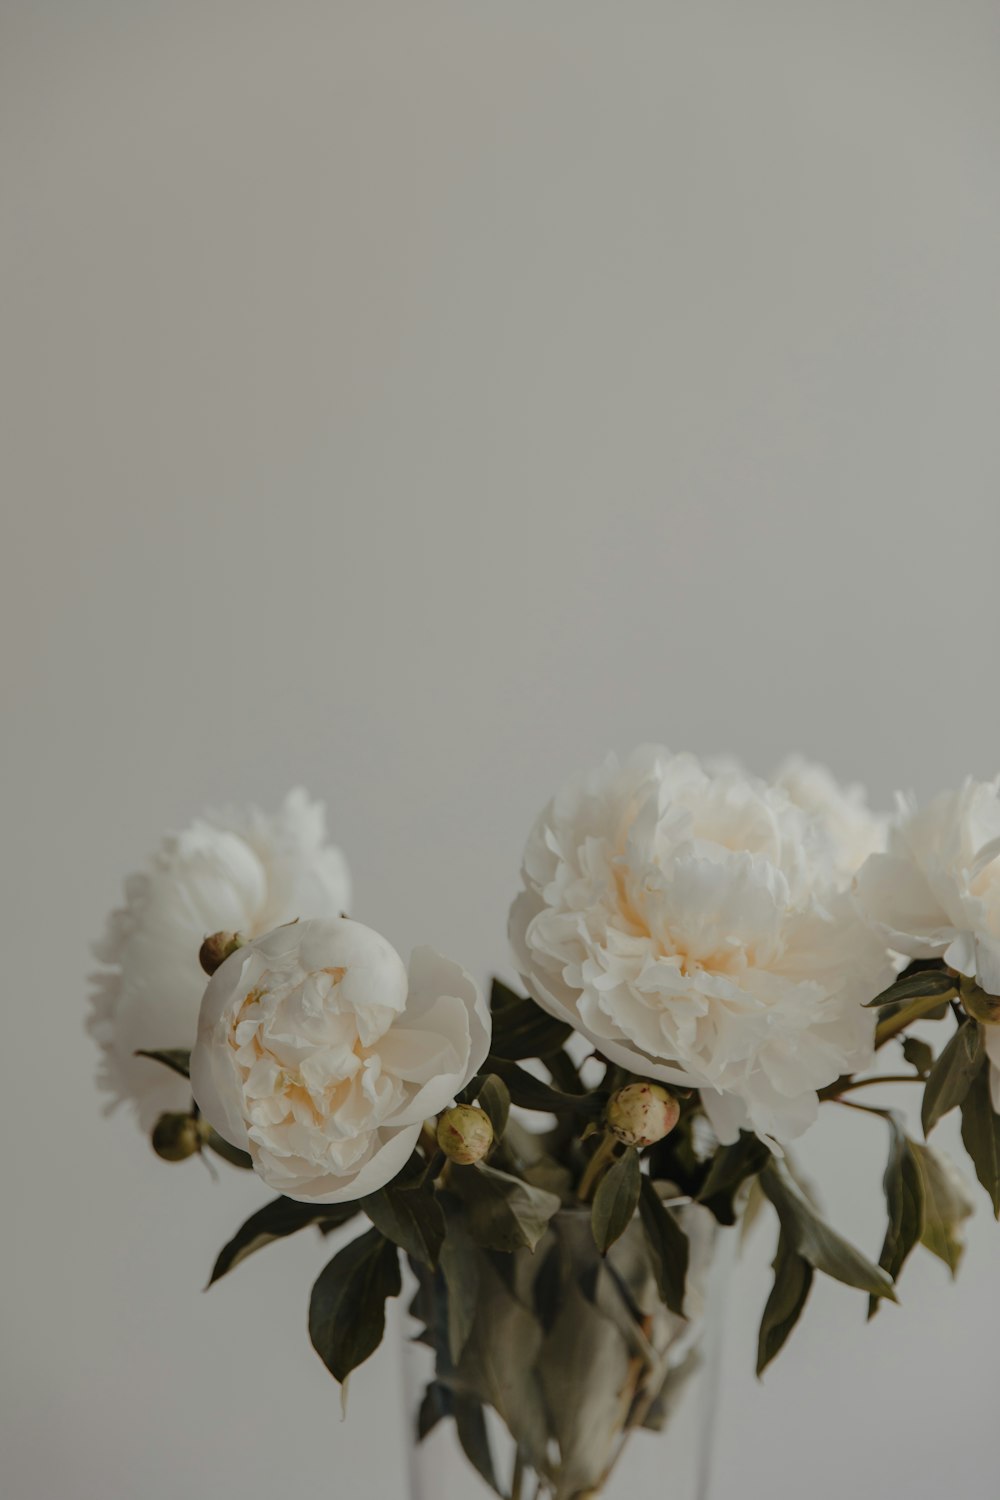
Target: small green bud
[
  {"x": 216, "y": 949},
  {"x": 642, "y": 1113},
  {"x": 465, "y": 1134},
  {"x": 176, "y": 1137}
]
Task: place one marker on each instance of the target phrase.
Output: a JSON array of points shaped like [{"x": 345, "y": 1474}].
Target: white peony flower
[
  {"x": 853, "y": 830},
  {"x": 319, "y": 1056},
  {"x": 936, "y": 892},
  {"x": 691, "y": 926},
  {"x": 237, "y": 869}
]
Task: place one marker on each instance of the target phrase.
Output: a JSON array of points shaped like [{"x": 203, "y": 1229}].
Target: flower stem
[
  {"x": 517, "y": 1478},
  {"x": 864, "y": 1083},
  {"x": 864, "y": 1109},
  {"x": 437, "y": 1161},
  {"x": 595, "y": 1166}
]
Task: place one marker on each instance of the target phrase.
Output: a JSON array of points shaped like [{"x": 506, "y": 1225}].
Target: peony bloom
[
  {"x": 238, "y": 869},
  {"x": 318, "y": 1055},
  {"x": 691, "y": 926},
  {"x": 851, "y": 827},
  {"x": 936, "y": 892}
]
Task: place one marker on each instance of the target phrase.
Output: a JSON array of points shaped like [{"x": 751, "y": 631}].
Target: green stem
[
  {"x": 434, "y": 1166},
  {"x": 517, "y": 1478},
  {"x": 864, "y": 1083},
  {"x": 864, "y": 1109},
  {"x": 601, "y": 1158}
]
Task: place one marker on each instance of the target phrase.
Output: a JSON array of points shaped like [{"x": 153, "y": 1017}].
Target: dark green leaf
[
  {"x": 411, "y": 1217},
  {"x": 494, "y": 1098},
  {"x": 177, "y": 1059},
  {"x": 951, "y": 1076},
  {"x": 946, "y": 1206},
  {"x": 530, "y": 1093},
  {"x": 546, "y": 1289},
  {"x": 730, "y": 1168},
  {"x": 815, "y": 1241},
  {"x": 521, "y": 1028},
  {"x": 232, "y": 1154},
  {"x": 499, "y": 1364},
  {"x": 668, "y": 1247},
  {"x": 904, "y": 1198},
  {"x": 437, "y": 1403},
  {"x": 504, "y": 1213},
  {"x": 471, "y": 1424},
  {"x": 275, "y": 1221},
  {"x": 616, "y": 1200},
  {"x": 564, "y": 1072},
  {"x": 584, "y": 1365},
  {"x": 792, "y": 1279},
  {"x": 347, "y": 1307},
  {"x": 925, "y": 984},
  {"x": 918, "y": 1054},
  {"x": 460, "y": 1269},
  {"x": 897, "y": 1018},
  {"x": 981, "y": 1134}
]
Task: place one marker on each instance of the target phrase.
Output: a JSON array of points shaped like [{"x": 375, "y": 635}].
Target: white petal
[{"x": 987, "y": 963}]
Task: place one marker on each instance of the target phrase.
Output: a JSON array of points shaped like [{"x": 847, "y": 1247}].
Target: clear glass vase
[{"x": 572, "y": 1381}]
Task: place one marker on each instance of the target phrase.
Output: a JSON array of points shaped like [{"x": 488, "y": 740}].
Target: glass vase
[{"x": 559, "y": 1375}]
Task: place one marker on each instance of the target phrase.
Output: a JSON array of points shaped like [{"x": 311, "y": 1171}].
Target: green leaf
[
  {"x": 730, "y": 1168},
  {"x": 896, "y": 1019},
  {"x": 470, "y": 1422},
  {"x": 347, "y": 1307},
  {"x": 460, "y": 1269},
  {"x": 437, "y": 1403},
  {"x": 177, "y": 1059},
  {"x": 521, "y": 1028},
  {"x": 926, "y": 984},
  {"x": 494, "y": 1098},
  {"x": 951, "y": 1076},
  {"x": 793, "y": 1277},
  {"x": 232, "y": 1154},
  {"x": 918, "y": 1054},
  {"x": 529, "y": 1092},
  {"x": 499, "y": 1364},
  {"x": 981, "y": 1134},
  {"x": 816, "y": 1242},
  {"x": 584, "y": 1366},
  {"x": 275, "y": 1221},
  {"x": 616, "y": 1200},
  {"x": 504, "y": 1212},
  {"x": 946, "y": 1206},
  {"x": 668, "y": 1247},
  {"x": 411, "y": 1217},
  {"x": 904, "y": 1196}
]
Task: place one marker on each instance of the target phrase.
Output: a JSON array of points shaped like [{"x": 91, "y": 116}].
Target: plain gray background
[{"x": 416, "y": 401}]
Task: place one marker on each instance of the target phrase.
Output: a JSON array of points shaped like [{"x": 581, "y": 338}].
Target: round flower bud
[
  {"x": 216, "y": 949},
  {"x": 176, "y": 1137},
  {"x": 642, "y": 1113},
  {"x": 465, "y": 1134}
]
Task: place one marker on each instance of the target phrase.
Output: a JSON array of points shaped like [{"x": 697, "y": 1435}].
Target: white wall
[{"x": 417, "y": 401}]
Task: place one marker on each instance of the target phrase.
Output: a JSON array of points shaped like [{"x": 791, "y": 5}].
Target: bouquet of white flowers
[{"x": 707, "y": 957}]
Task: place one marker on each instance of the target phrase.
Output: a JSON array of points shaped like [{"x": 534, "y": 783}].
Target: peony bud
[
  {"x": 176, "y": 1137},
  {"x": 216, "y": 949},
  {"x": 465, "y": 1134},
  {"x": 642, "y": 1113}
]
